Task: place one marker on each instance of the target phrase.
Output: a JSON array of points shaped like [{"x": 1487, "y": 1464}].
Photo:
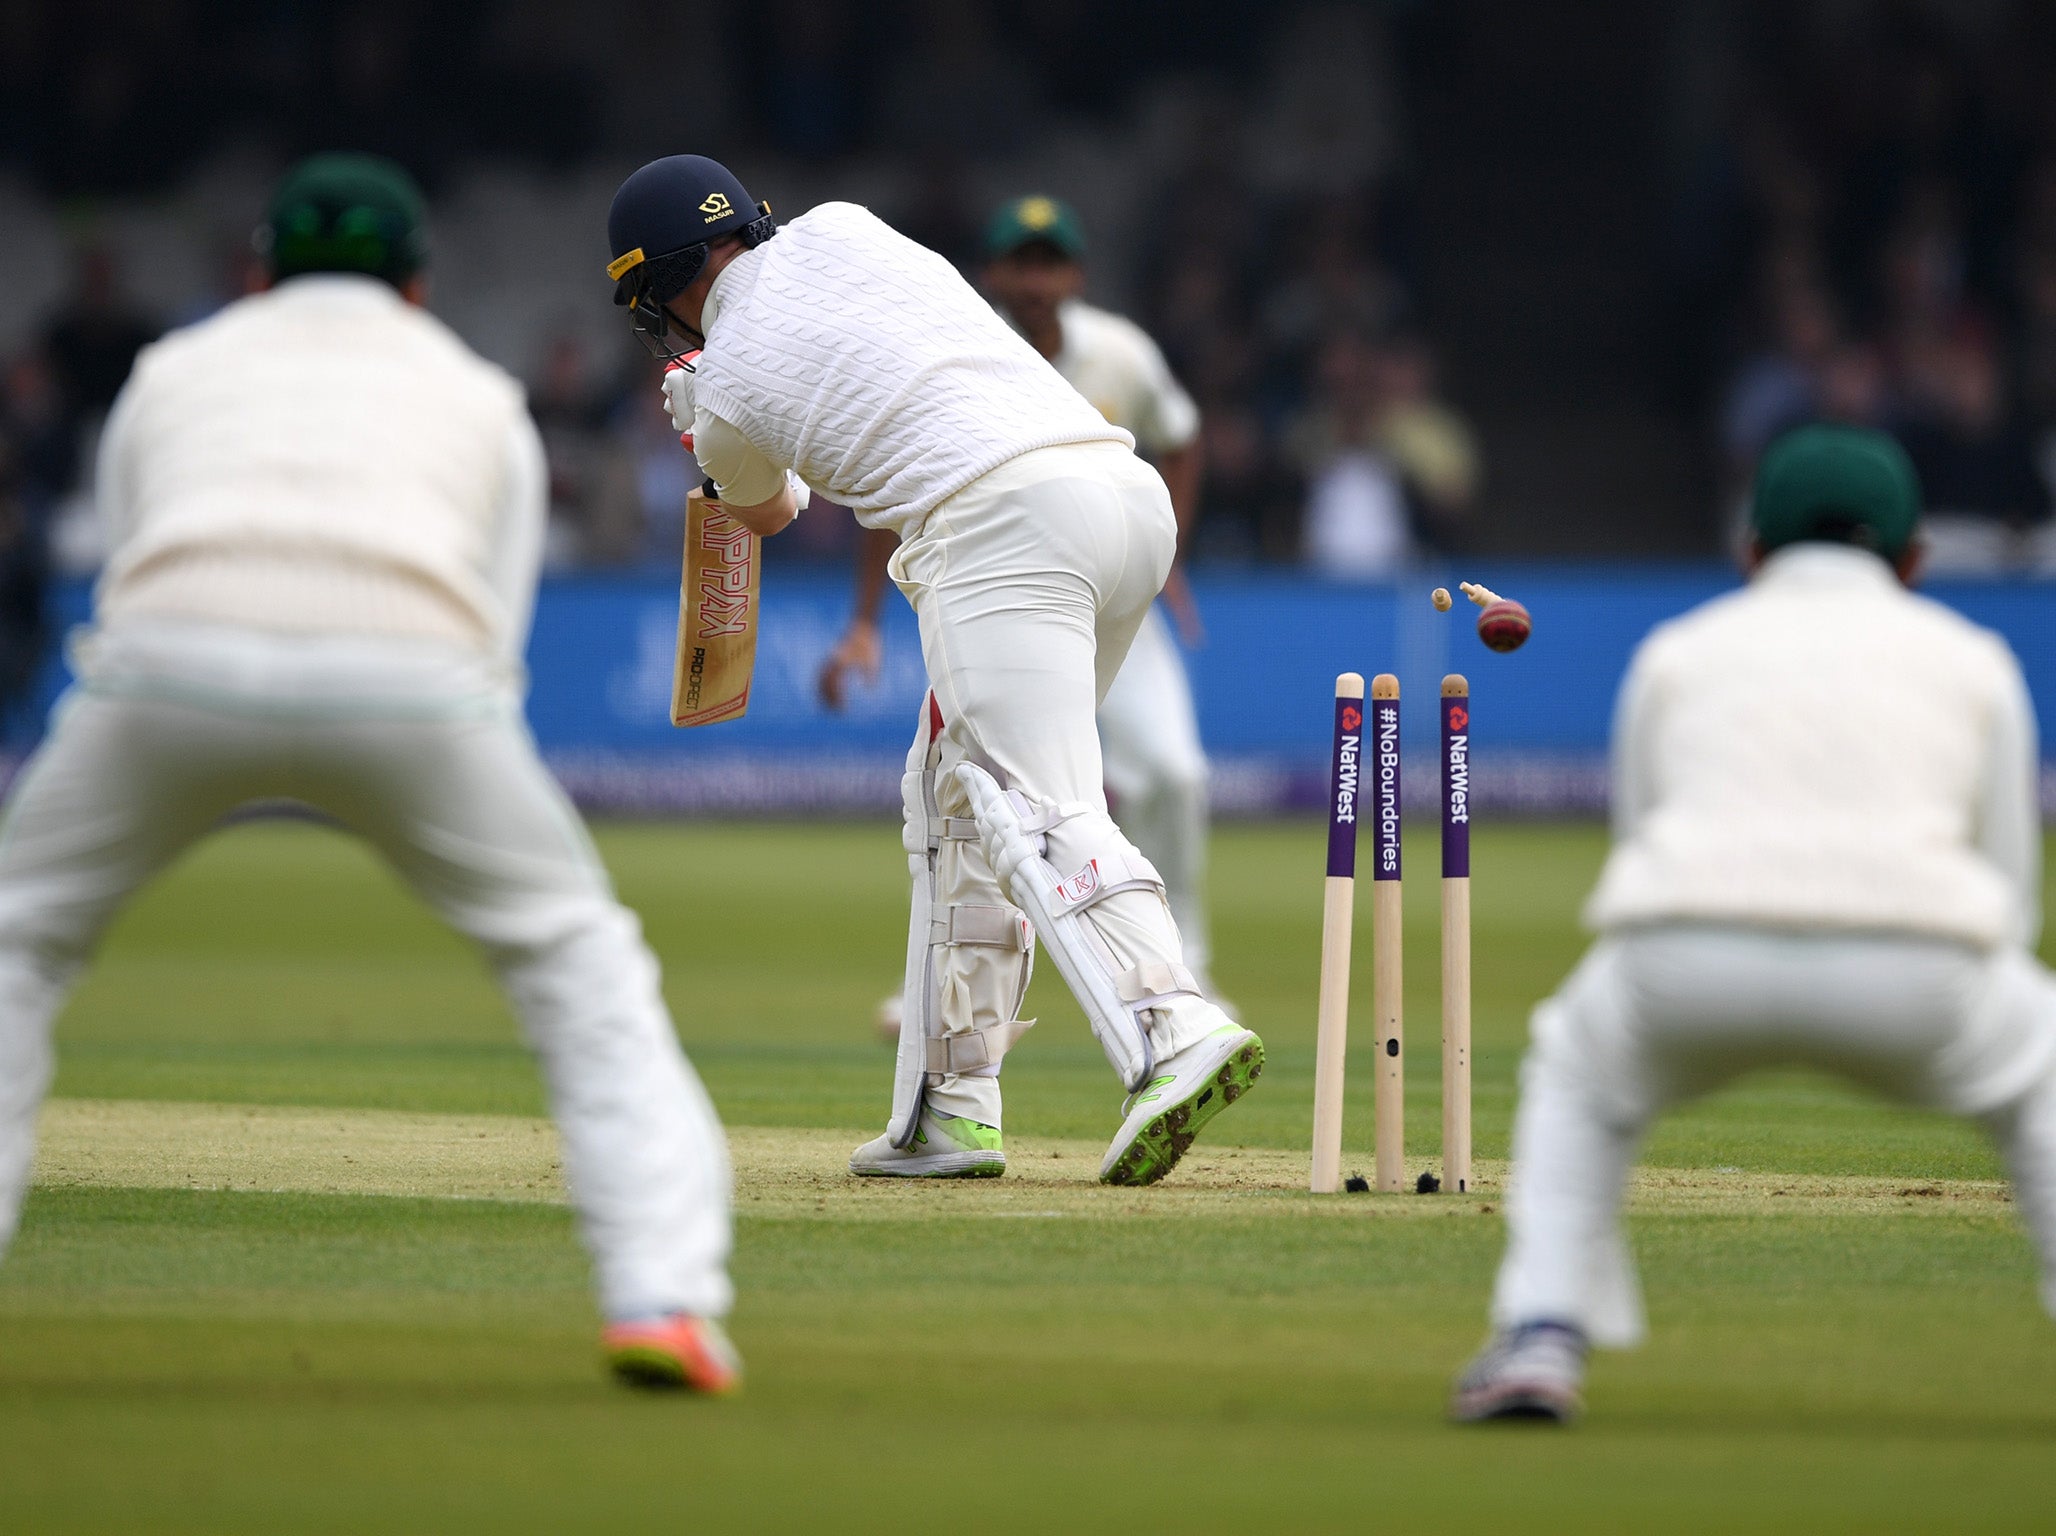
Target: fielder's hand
[
  {"x": 678, "y": 400},
  {"x": 860, "y": 652}
]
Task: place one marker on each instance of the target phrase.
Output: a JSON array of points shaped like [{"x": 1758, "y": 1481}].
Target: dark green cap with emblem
[
  {"x": 1034, "y": 221},
  {"x": 1845, "y": 485},
  {"x": 345, "y": 213}
]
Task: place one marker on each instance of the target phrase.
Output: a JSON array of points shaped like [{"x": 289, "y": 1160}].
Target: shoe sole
[
  {"x": 651, "y": 1369},
  {"x": 1168, "y": 1136},
  {"x": 1516, "y": 1405},
  {"x": 947, "y": 1165}
]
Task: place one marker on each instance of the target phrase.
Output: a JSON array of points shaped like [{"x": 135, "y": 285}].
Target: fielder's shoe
[
  {"x": 676, "y": 1352},
  {"x": 1188, "y": 1090},
  {"x": 944, "y": 1147},
  {"x": 1530, "y": 1372}
]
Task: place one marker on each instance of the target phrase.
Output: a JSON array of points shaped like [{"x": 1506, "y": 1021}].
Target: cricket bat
[{"x": 717, "y": 617}]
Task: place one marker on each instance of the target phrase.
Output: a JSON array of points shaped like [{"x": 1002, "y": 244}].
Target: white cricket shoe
[
  {"x": 1533, "y": 1371},
  {"x": 944, "y": 1147},
  {"x": 1188, "y": 1090}
]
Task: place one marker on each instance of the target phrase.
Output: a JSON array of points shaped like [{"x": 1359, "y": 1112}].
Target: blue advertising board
[{"x": 601, "y": 654}]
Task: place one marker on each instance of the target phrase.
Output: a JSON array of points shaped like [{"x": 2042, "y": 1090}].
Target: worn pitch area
[{"x": 796, "y": 1174}]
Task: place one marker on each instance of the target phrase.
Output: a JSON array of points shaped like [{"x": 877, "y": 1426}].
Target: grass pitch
[{"x": 297, "y": 1258}]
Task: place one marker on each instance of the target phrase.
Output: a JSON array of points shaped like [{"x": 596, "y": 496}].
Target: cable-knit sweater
[
  {"x": 324, "y": 458},
  {"x": 1825, "y": 750},
  {"x": 864, "y": 362}
]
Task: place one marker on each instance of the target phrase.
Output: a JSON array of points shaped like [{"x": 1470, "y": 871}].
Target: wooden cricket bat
[{"x": 717, "y": 617}]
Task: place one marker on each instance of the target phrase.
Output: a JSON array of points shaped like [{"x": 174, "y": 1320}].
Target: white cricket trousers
[
  {"x": 1156, "y": 768},
  {"x": 1029, "y": 586},
  {"x": 1654, "y": 1017},
  {"x": 423, "y": 753}
]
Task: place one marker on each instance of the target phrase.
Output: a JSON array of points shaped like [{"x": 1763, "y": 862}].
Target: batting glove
[{"x": 678, "y": 400}]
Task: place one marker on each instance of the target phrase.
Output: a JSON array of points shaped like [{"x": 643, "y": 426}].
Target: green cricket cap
[
  {"x": 345, "y": 213},
  {"x": 1849, "y": 485},
  {"x": 1034, "y": 221}
]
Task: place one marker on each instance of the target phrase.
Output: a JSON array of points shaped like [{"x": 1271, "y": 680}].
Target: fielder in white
[
  {"x": 1148, "y": 729},
  {"x": 1032, "y": 541},
  {"x": 326, "y": 517},
  {"x": 1827, "y": 853}
]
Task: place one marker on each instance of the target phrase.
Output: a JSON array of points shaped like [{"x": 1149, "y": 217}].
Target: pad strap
[
  {"x": 968, "y": 1050},
  {"x": 992, "y": 927},
  {"x": 954, "y": 829},
  {"x": 1155, "y": 981},
  {"x": 1038, "y": 817},
  {"x": 1108, "y": 874}
]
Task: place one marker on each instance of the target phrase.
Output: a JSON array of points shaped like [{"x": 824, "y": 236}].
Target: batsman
[{"x": 836, "y": 354}]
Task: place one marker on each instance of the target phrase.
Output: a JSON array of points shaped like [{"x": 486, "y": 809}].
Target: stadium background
[{"x": 1531, "y": 285}]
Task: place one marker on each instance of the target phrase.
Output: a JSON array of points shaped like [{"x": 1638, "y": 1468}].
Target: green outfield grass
[{"x": 1845, "y": 1331}]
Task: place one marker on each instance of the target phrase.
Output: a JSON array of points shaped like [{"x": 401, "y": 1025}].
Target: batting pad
[{"x": 1061, "y": 862}]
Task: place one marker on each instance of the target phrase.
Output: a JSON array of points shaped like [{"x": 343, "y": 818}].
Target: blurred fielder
[
  {"x": 1148, "y": 732},
  {"x": 1827, "y": 852},
  {"x": 326, "y": 516},
  {"x": 1032, "y": 542}
]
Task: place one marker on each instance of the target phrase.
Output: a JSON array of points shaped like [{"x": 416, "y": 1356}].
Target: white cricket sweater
[
  {"x": 1825, "y": 750},
  {"x": 324, "y": 458},
  {"x": 864, "y": 362}
]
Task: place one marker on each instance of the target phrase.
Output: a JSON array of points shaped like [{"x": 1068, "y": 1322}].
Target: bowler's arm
[{"x": 860, "y": 649}]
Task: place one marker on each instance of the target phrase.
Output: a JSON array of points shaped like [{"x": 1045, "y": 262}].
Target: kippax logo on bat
[
  {"x": 717, "y": 617},
  {"x": 725, "y": 585}
]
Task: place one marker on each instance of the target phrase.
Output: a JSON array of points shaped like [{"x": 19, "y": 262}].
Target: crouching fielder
[
  {"x": 1032, "y": 542},
  {"x": 1827, "y": 853},
  {"x": 326, "y": 518}
]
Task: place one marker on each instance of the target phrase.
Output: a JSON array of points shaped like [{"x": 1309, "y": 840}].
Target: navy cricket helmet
[{"x": 658, "y": 230}]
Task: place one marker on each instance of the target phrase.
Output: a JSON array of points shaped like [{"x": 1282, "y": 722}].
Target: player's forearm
[
  {"x": 765, "y": 518},
  {"x": 874, "y": 557}
]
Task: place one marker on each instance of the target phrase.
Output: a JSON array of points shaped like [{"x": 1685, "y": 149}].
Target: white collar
[
  {"x": 338, "y": 288},
  {"x": 1817, "y": 564}
]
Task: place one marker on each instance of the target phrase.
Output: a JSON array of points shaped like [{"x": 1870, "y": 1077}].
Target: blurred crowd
[
  {"x": 1326, "y": 438},
  {"x": 1867, "y": 231},
  {"x": 1885, "y": 228}
]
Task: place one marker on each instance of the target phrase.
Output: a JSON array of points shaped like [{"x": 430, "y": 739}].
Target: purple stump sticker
[
  {"x": 1342, "y": 783},
  {"x": 1456, "y": 787},
  {"x": 1384, "y": 789}
]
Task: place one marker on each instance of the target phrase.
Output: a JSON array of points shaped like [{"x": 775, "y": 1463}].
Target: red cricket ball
[{"x": 1504, "y": 625}]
